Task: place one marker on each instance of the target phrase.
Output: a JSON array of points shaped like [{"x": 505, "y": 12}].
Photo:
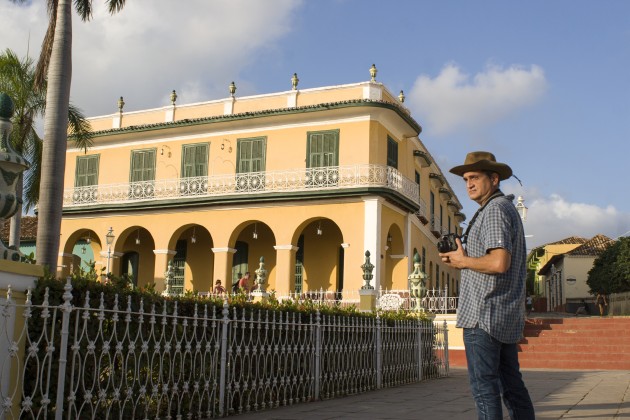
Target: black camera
[{"x": 447, "y": 243}]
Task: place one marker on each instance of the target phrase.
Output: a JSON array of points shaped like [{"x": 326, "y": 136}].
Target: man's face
[{"x": 480, "y": 186}]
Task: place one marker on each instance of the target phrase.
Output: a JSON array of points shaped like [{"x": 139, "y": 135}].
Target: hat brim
[{"x": 502, "y": 169}]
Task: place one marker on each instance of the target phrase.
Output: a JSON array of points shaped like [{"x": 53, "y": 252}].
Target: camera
[{"x": 447, "y": 243}]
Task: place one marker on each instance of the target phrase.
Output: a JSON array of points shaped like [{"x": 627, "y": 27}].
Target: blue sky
[{"x": 545, "y": 85}]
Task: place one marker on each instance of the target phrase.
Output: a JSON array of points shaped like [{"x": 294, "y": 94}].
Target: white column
[{"x": 372, "y": 235}]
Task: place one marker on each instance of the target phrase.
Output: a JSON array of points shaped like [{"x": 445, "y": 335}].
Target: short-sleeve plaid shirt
[{"x": 495, "y": 302}]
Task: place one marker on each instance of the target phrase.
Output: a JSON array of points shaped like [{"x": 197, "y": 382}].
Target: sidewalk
[{"x": 556, "y": 395}]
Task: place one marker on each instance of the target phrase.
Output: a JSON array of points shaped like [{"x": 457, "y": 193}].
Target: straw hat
[{"x": 482, "y": 161}]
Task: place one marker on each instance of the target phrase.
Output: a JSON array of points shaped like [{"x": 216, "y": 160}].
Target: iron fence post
[
  {"x": 420, "y": 343},
  {"x": 446, "y": 363},
  {"x": 66, "y": 310},
  {"x": 379, "y": 354},
  {"x": 224, "y": 344},
  {"x": 318, "y": 352}
]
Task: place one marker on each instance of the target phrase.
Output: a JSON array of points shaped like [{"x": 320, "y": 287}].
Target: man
[
  {"x": 243, "y": 283},
  {"x": 492, "y": 255}
]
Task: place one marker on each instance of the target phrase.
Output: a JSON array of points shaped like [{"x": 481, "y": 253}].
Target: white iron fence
[{"x": 108, "y": 359}]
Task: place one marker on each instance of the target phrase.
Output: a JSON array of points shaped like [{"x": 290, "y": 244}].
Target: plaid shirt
[{"x": 495, "y": 302}]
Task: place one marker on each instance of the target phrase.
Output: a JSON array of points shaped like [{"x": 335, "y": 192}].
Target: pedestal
[{"x": 367, "y": 300}]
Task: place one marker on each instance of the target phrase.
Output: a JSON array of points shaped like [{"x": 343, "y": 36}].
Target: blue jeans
[{"x": 493, "y": 371}]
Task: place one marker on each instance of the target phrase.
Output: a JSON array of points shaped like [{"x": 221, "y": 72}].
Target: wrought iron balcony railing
[{"x": 293, "y": 180}]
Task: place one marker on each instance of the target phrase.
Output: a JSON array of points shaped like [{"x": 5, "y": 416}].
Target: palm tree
[
  {"x": 56, "y": 63},
  {"x": 17, "y": 79}
]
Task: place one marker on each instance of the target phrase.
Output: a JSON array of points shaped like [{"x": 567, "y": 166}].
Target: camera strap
[{"x": 479, "y": 210}]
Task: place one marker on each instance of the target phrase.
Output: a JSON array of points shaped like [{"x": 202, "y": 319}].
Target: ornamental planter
[{"x": 12, "y": 165}]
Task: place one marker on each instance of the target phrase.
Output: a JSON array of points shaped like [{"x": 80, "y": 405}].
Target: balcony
[
  {"x": 230, "y": 186},
  {"x": 436, "y": 226},
  {"x": 422, "y": 213}
]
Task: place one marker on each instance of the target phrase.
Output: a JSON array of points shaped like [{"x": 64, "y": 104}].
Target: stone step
[
  {"x": 584, "y": 349},
  {"x": 575, "y": 340},
  {"x": 583, "y": 364},
  {"x": 576, "y": 330}
]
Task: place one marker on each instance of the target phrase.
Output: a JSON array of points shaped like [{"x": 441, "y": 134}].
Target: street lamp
[
  {"x": 520, "y": 208},
  {"x": 109, "y": 239}
]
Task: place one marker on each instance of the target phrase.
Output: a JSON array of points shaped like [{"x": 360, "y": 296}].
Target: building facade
[
  {"x": 309, "y": 180},
  {"x": 564, "y": 275}
]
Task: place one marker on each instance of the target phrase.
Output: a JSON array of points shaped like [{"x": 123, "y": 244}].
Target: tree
[
  {"x": 17, "y": 79},
  {"x": 611, "y": 270},
  {"x": 56, "y": 63}
]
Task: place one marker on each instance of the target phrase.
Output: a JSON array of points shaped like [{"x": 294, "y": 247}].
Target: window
[
  {"x": 194, "y": 160},
  {"x": 239, "y": 263},
  {"x": 194, "y": 165},
  {"x": 322, "y": 158},
  {"x": 437, "y": 276},
  {"x": 250, "y": 164},
  {"x": 424, "y": 260},
  {"x": 392, "y": 153},
  {"x": 142, "y": 173},
  {"x": 86, "y": 179},
  {"x": 179, "y": 267}
]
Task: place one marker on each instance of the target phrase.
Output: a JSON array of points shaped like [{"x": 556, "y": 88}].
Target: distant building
[
  {"x": 307, "y": 179},
  {"x": 564, "y": 275}
]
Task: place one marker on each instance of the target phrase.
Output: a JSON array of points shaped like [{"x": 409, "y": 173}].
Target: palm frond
[
  {"x": 84, "y": 9},
  {"x": 115, "y": 6},
  {"x": 80, "y": 128},
  {"x": 33, "y": 175}
]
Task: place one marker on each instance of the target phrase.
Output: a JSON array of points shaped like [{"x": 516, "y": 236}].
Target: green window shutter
[
  {"x": 251, "y": 155},
  {"x": 322, "y": 149},
  {"x": 194, "y": 160},
  {"x": 86, "y": 171},
  {"x": 392, "y": 153},
  {"x": 143, "y": 165}
]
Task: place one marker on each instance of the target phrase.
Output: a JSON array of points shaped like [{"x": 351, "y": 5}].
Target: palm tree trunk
[{"x": 55, "y": 140}]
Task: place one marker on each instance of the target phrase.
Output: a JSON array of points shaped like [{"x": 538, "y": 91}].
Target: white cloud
[
  {"x": 554, "y": 218},
  {"x": 453, "y": 101},
  {"x": 151, "y": 47}
]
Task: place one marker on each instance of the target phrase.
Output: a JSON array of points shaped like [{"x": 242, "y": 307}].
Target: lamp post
[{"x": 109, "y": 238}]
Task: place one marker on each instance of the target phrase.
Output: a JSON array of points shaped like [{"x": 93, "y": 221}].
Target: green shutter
[
  {"x": 392, "y": 153},
  {"x": 251, "y": 155},
  {"x": 86, "y": 171},
  {"x": 143, "y": 165},
  {"x": 194, "y": 160},
  {"x": 323, "y": 149}
]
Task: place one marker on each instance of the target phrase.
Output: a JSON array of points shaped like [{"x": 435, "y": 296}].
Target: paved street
[{"x": 556, "y": 394}]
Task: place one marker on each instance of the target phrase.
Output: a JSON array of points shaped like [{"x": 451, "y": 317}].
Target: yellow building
[{"x": 307, "y": 179}]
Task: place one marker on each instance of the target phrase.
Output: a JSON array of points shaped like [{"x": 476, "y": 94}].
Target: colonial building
[
  {"x": 309, "y": 180},
  {"x": 564, "y": 275}
]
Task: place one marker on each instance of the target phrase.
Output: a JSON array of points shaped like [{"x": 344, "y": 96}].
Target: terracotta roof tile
[
  {"x": 569, "y": 241},
  {"x": 593, "y": 247},
  {"x": 28, "y": 228}
]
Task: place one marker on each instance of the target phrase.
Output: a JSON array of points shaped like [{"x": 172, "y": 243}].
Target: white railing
[
  {"x": 433, "y": 301},
  {"x": 105, "y": 358},
  {"x": 293, "y": 180}
]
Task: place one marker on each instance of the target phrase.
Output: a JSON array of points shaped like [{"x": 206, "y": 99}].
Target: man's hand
[
  {"x": 496, "y": 261},
  {"x": 455, "y": 258}
]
